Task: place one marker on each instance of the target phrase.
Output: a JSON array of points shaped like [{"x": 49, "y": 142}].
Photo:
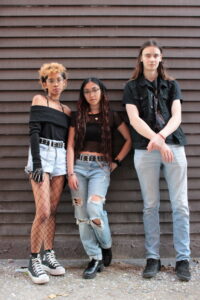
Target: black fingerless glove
[
  {"x": 35, "y": 128},
  {"x": 38, "y": 175}
]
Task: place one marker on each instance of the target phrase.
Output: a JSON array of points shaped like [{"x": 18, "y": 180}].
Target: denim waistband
[{"x": 55, "y": 144}]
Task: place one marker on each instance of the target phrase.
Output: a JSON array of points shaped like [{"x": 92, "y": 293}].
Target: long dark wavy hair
[
  {"x": 139, "y": 69},
  {"x": 82, "y": 116}
]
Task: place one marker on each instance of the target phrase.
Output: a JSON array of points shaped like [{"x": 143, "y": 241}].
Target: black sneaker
[
  {"x": 182, "y": 270},
  {"x": 36, "y": 271},
  {"x": 107, "y": 256},
  {"x": 50, "y": 264},
  {"x": 93, "y": 267},
  {"x": 152, "y": 267}
]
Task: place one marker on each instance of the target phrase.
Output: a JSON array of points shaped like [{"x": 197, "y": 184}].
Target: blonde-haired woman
[{"x": 49, "y": 122}]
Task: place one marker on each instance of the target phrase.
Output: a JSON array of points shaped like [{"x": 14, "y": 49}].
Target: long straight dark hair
[
  {"x": 82, "y": 116},
  {"x": 139, "y": 69}
]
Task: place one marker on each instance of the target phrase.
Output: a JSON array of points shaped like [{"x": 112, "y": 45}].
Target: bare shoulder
[
  {"x": 39, "y": 100},
  {"x": 67, "y": 110}
]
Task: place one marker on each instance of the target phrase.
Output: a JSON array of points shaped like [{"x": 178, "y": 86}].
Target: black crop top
[
  {"x": 48, "y": 123},
  {"x": 92, "y": 141}
]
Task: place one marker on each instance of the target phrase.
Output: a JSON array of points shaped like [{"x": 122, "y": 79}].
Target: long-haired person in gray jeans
[{"x": 153, "y": 103}]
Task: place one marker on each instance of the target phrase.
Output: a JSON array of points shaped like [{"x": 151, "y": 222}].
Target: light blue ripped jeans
[
  {"x": 148, "y": 166},
  {"x": 93, "y": 180}
]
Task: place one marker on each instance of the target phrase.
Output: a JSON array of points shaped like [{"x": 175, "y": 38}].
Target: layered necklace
[
  {"x": 57, "y": 101},
  {"x": 94, "y": 113}
]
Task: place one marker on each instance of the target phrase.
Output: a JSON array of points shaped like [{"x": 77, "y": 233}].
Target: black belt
[
  {"x": 52, "y": 143},
  {"x": 86, "y": 157}
]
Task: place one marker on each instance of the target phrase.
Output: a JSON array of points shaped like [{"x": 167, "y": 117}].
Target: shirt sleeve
[
  {"x": 129, "y": 95},
  {"x": 175, "y": 91},
  {"x": 35, "y": 128}
]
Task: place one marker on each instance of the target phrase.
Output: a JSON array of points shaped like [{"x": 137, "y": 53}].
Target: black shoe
[
  {"x": 152, "y": 268},
  {"x": 36, "y": 272},
  {"x": 50, "y": 263},
  {"x": 107, "y": 256},
  {"x": 182, "y": 270},
  {"x": 93, "y": 267}
]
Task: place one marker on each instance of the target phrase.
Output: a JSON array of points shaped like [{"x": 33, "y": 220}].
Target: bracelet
[
  {"x": 71, "y": 174},
  {"x": 118, "y": 162},
  {"x": 161, "y": 136}
]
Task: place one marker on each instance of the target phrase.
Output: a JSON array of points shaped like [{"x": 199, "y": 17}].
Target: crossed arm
[{"x": 156, "y": 141}]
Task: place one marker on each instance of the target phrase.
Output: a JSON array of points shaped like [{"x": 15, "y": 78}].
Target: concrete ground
[{"x": 121, "y": 281}]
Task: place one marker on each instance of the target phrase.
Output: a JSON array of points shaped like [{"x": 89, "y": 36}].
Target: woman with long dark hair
[
  {"x": 49, "y": 122},
  {"x": 90, "y": 161},
  {"x": 153, "y": 103}
]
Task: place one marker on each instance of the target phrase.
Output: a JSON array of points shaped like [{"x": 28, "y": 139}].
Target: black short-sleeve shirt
[
  {"x": 140, "y": 93},
  {"x": 93, "y": 133}
]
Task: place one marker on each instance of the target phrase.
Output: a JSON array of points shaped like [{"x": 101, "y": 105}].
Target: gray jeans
[{"x": 148, "y": 165}]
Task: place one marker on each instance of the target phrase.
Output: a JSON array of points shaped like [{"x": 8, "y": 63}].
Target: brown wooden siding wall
[{"x": 98, "y": 38}]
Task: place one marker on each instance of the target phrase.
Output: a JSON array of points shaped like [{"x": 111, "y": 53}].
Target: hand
[
  {"x": 167, "y": 154},
  {"x": 113, "y": 166},
  {"x": 155, "y": 143},
  {"x": 73, "y": 182},
  {"x": 38, "y": 175}
]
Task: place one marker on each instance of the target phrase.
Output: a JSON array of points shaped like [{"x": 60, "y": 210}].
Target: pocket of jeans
[
  {"x": 46, "y": 154},
  {"x": 105, "y": 166}
]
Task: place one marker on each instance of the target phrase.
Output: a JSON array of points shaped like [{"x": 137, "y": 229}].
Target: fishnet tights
[{"x": 47, "y": 196}]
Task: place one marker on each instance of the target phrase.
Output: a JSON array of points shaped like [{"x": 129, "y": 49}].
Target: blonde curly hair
[{"x": 49, "y": 68}]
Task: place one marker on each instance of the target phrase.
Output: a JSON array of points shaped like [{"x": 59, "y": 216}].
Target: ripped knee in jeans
[
  {"x": 97, "y": 200},
  {"x": 97, "y": 223},
  {"x": 77, "y": 201},
  {"x": 81, "y": 221},
  {"x": 94, "y": 222}
]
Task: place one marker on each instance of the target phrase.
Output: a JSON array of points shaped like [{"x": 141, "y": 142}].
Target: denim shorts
[{"x": 53, "y": 160}]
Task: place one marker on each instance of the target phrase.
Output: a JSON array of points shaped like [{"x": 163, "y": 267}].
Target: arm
[
  {"x": 169, "y": 128},
  {"x": 124, "y": 131},
  {"x": 175, "y": 119},
  {"x": 34, "y": 131},
  {"x": 142, "y": 128},
  {"x": 72, "y": 179},
  {"x": 137, "y": 123}
]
